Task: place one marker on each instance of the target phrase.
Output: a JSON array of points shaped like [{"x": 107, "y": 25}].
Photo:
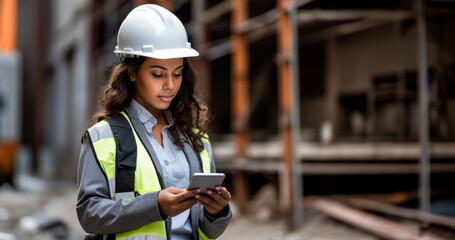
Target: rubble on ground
[{"x": 41, "y": 211}]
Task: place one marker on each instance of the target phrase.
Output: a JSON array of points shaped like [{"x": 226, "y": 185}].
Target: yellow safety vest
[{"x": 146, "y": 179}]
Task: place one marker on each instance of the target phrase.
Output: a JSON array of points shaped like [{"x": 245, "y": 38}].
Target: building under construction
[{"x": 315, "y": 97}]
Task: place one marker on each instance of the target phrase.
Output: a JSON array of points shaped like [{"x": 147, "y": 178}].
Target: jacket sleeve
[
  {"x": 99, "y": 214},
  {"x": 214, "y": 227}
]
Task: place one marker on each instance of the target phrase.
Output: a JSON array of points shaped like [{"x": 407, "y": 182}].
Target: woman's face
[{"x": 157, "y": 83}]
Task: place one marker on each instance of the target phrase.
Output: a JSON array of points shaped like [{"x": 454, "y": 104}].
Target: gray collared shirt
[{"x": 176, "y": 171}]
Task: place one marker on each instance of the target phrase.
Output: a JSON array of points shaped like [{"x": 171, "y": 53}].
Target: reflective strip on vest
[
  {"x": 205, "y": 157},
  {"x": 205, "y": 161},
  {"x": 206, "y": 168},
  {"x": 146, "y": 237},
  {"x": 202, "y": 236},
  {"x": 105, "y": 149},
  {"x": 146, "y": 181},
  {"x": 146, "y": 178}
]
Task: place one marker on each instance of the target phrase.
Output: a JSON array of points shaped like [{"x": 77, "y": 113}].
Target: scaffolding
[
  {"x": 241, "y": 155},
  {"x": 284, "y": 19},
  {"x": 289, "y": 155}
]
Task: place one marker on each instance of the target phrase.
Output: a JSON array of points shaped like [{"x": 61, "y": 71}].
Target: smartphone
[{"x": 206, "y": 181}]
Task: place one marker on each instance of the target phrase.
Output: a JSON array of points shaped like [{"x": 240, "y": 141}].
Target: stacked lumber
[{"x": 357, "y": 212}]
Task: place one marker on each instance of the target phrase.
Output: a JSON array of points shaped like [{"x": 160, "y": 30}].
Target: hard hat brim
[
  {"x": 174, "y": 53},
  {"x": 162, "y": 54}
]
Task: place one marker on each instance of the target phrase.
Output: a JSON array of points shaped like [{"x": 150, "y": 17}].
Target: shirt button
[{"x": 166, "y": 162}]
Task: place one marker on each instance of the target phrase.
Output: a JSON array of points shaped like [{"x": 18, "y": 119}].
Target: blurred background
[{"x": 330, "y": 117}]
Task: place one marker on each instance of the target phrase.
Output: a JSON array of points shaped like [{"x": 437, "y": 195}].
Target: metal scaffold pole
[
  {"x": 423, "y": 100},
  {"x": 240, "y": 100},
  {"x": 291, "y": 186},
  {"x": 8, "y": 25},
  {"x": 199, "y": 37}
]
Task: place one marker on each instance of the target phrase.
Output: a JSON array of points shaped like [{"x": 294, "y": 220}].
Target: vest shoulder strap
[{"x": 126, "y": 153}]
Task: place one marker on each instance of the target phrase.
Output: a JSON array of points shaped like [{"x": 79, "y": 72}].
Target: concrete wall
[
  {"x": 67, "y": 86},
  {"x": 384, "y": 50},
  {"x": 357, "y": 58},
  {"x": 10, "y": 97}
]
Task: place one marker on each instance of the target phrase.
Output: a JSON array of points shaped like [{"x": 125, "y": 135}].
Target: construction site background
[{"x": 332, "y": 119}]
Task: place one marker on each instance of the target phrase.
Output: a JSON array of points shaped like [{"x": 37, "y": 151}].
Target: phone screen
[{"x": 206, "y": 181}]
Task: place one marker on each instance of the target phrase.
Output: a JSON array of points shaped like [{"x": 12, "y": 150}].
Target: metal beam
[
  {"x": 240, "y": 99},
  {"x": 199, "y": 39},
  {"x": 209, "y": 15},
  {"x": 8, "y": 25},
  {"x": 163, "y": 3},
  {"x": 334, "y": 168},
  {"x": 266, "y": 25},
  {"x": 423, "y": 104},
  {"x": 290, "y": 185},
  {"x": 267, "y": 20},
  {"x": 34, "y": 103},
  {"x": 332, "y": 79}
]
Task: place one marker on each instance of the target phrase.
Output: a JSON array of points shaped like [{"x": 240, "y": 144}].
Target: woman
[{"x": 151, "y": 136}]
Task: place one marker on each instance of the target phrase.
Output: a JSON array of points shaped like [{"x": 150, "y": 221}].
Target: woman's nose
[{"x": 168, "y": 83}]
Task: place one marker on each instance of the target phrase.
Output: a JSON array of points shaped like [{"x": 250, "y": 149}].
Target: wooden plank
[
  {"x": 326, "y": 15},
  {"x": 359, "y": 151},
  {"x": 402, "y": 212},
  {"x": 379, "y": 226},
  {"x": 378, "y": 168}
]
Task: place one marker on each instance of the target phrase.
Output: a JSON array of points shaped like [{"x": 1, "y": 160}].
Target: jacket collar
[
  {"x": 191, "y": 154},
  {"x": 142, "y": 134},
  {"x": 193, "y": 157}
]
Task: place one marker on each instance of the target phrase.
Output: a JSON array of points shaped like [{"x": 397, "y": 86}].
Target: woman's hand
[
  {"x": 215, "y": 201},
  {"x": 173, "y": 201}
]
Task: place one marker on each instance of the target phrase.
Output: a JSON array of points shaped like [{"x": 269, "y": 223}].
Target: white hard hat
[{"x": 152, "y": 31}]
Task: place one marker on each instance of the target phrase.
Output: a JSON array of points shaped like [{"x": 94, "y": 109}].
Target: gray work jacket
[{"x": 99, "y": 214}]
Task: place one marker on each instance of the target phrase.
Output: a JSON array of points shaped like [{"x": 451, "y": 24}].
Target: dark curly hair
[{"x": 188, "y": 111}]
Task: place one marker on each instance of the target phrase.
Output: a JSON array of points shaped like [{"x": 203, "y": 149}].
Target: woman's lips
[{"x": 166, "y": 98}]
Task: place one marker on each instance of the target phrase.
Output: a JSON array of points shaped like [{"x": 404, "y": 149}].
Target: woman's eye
[
  {"x": 177, "y": 74},
  {"x": 157, "y": 75}
]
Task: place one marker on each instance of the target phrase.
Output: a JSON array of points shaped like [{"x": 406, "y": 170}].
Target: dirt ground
[
  {"x": 43, "y": 210},
  {"x": 315, "y": 227}
]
